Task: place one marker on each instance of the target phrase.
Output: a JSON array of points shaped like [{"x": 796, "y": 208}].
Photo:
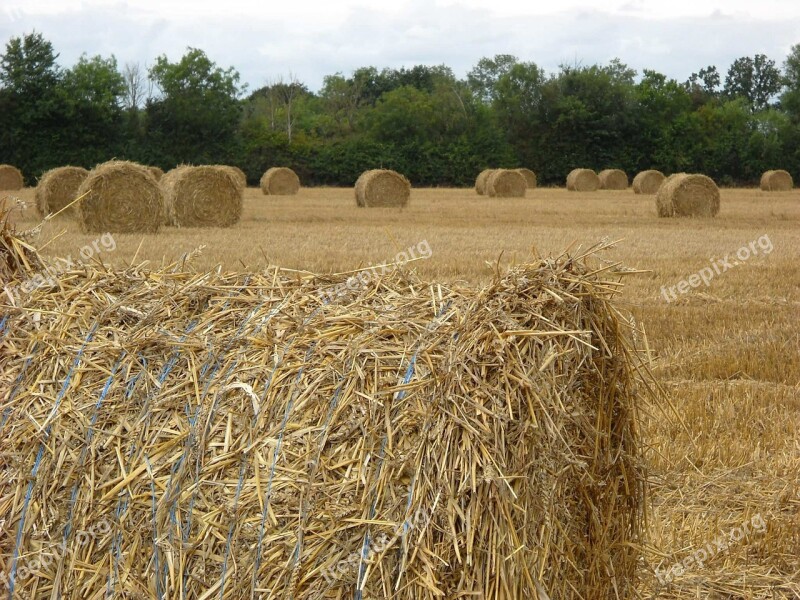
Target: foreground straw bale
[
  {"x": 208, "y": 196},
  {"x": 183, "y": 433},
  {"x": 688, "y": 195},
  {"x": 120, "y": 197},
  {"x": 57, "y": 188},
  {"x": 156, "y": 172},
  {"x": 382, "y": 188}
]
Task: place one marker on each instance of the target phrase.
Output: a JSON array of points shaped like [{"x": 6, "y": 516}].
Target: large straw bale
[
  {"x": 481, "y": 181},
  {"x": 11, "y": 178},
  {"x": 506, "y": 183},
  {"x": 238, "y": 174},
  {"x": 57, "y": 188},
  {"x": 156, "y": 172},
  {"x": 181, "y": 432},
  {"x": 582, "y": 180},
  {"x": 613, "y": 179},
  {"x": 120, "y": 197},
  {"x": 777, "y": 181},
  {"x": 648, "y": 182},
  {"x": 688, "y": 195},
  {"x": 382, "y": 188},
  {"x": 280, "y": 181},
  {"x": 205, "y": 196}
]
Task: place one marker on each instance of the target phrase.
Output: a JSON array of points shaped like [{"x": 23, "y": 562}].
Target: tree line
[{"x": 423, "y": 121}]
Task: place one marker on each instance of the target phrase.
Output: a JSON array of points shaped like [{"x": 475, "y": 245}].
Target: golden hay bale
[
  {"x": 206, "y": 196},
  {"x": 230, "y": 432},
  {"x": 648, "y": 182},
  {"x": 506, "y": 183},
  {"x": 381, "y": 188},
  {"x": 777, "y": 181},
  {"x": 685, "y": 195},
  {"x": 156, "y": 172},
  {"x": 240, "y": 176},
  {"x": 121, "y": 197},
  {"x": 11, "y": 178},
  {"x": 582, "y": 180},
  {"x": 280, "y": 181},
  {"x": 613, "y": 179},
  {"x": 57, "y": 188},
  {"x": 530, "y": 177},
  {"x": 481, "y": 180}
]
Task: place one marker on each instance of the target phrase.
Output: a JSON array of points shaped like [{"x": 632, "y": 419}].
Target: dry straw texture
[
  {"x": 156, "y": 172},
  {"x": 57, "y": 188},
  {"x": 613, "y": 179},
  {"x": 482, "y": 180},
  {"x": 280, "y": 181},
  {"x": 685, "y": 195},
  {"x": 776, "y": 181},
  {"x": 506, "y": 183},
  {"x": 207, "y": 196},
  {"x": 648, "y": 182},
  {"x": 582, "y": 180},
  {"x": 238, "y": 174},
  {"x": 120, "y": 197},
  {"x": 11, "y": 178},
  {"x": 382, "y": 187},
  {"x": 530, "y": 177},
  {"x": 212, "y": 435}
]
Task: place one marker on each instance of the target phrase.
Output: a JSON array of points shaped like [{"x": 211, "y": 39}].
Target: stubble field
[{"x": 722, "y": 445}]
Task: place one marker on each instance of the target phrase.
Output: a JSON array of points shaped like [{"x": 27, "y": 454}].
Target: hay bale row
[
  {"x": 382, "y": 188},
  {"x": 11, "y": 178},
  {"x": 506, "y": 183},
  {"x": 648, "y": 182},
  {"x": 202, "y": 196},
  {"x": 57, "y": 188},
  {"x": 120, "y": 197},
  {"x": 280, "y": 181},
  {"x": 180, "y": 433},
  {"x": 688, "y": 195},
  {"x": 482, "y": 181},
  {"x": 776, "y": 181},
  {"x": 583, "y": 180},
  {"x": 613, "y": 179}
]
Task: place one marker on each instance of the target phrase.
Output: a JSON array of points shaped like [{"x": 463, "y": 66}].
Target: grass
[{"x": 725, "y": 445}]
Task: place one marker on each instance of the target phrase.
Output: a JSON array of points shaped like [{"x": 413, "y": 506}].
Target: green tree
[
  {"x": 196, "y": 118},
  {"x": 484, "y": 77},
  {"x": 756, "y": 79}
]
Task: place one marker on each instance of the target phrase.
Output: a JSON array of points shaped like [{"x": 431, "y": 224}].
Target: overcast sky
[{"x": 314, "y": 38}]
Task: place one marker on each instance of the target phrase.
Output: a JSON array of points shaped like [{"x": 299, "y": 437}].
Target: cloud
[{"x": 419, "y": 32}]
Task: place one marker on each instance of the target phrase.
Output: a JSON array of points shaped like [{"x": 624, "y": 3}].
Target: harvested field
[{"x": 720, "y": 449}]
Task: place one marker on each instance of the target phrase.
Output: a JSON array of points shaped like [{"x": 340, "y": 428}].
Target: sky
[{"x": 309, "y": 39}]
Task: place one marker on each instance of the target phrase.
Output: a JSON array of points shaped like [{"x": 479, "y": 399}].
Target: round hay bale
[
  {"x": 480, "y": 181},
  {"x": 506, "y": 183},
  {"x": 207, "y": 196},
  {"x": 685, "y": 195},
  {"x": 582, "y": 180},
  {"x": 613, "y": 179},
  {"x": 57, "y": 188},
  {"x": 530, "y": 177},
  {"x": 777, "y": 181},
  {"x": 648, "y": 182},
  {"x": 239, "y": 174},
  {"x": 11, "y": 178},
  {"x": 156, "y": 172},
  {"x": 280, "y": 181},
  {"x": 382, "y": 187},
  {"x": 121, "y": 197}
]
